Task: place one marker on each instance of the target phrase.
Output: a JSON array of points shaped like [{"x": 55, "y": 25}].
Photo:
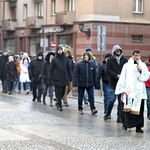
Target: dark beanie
[
  {"x": 40, "y": 53},
  {"x": 108, "y": 55},
  {"x": 4, "y": 50}
]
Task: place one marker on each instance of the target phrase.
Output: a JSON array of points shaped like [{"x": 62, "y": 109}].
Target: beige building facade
[{"x": 31, "y": 25}]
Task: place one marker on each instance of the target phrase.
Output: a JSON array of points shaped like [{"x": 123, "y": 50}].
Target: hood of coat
[
  {"x": 48, "y": 55},
  {"x": 115, "y": 48}
]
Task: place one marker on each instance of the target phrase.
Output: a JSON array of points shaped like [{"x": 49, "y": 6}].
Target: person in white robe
[{"x": 132, "y": 87}]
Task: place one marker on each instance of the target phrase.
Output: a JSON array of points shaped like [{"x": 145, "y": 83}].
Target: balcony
[
  {"x": 34, "y": 22},
  {"x": 65, "y": 17},
  {"x": 9, "y": 0},
  {"x": 9, "y": 25}
]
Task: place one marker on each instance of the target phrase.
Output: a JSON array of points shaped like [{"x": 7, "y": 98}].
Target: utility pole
[{"x": 101, "y": 40}]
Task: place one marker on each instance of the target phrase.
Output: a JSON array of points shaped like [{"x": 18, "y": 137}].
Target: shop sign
[{"x": 51, "y": 30}]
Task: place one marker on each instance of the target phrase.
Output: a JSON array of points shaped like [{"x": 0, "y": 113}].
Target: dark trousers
[
  {"x": 59, "y": 92},
  {"x": 37, "y": 89},
  {"x": 90, "y": 91},
  {"x": 10, "y": 85}
]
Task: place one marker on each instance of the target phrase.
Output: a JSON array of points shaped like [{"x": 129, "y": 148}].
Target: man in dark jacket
[
  {"x": 85, "y": 79},
  {"x": 35, "y": 68},
  {"x": 105, "y": 80},
  {"x": 113, "y": 69},
  {"x": 60, "y": 75},
  {"x": 3, "y": 74}
]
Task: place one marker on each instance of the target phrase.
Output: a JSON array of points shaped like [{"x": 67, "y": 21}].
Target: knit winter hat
[
  {"x": 88, "y": 48},
  {"x": 108, "y": 55}
]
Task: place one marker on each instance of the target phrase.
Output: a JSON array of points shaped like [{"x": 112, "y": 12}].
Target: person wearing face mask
[
  {"x": 84, "y": 78},
  {"x": 131, "y": 85},
  {"x": 113, "y": 69}
]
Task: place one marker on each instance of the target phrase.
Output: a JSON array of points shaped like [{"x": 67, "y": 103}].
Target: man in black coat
[
  {"x": 105, "y": 80},
  {"x": 84, "y": 77},
  {"x": 3, "y": 74},
  {"x": 114, "y": 66},
  {"x": 35, "y": 74},
  {"x": 60, "y": 75}
]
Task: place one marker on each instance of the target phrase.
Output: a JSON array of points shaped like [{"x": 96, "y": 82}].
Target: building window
[
  {"x": 137, "y": 38},
  {"x": 137, "y": 6},
  {"x": 10, "y": 45},
  {"x": 25, "y": 11},
  {"x": 69, "y": 5},
  {"x": 39, "y": 9},
  {"x": 34, "y": 46},
  {"x": 13, "y": 12},
  {"x": 65, "y": 40},
  {"x": 53, "y": 5}
]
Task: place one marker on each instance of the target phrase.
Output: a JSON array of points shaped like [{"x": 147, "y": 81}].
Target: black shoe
[
  {"x": 4, "y": 91},
  {"x": 148, "y": 116},
  {"x": 105, "y": 117},
  {"x": 59, "y": 108},
  {"x": 55, "y": 99},
  {"x": 10, "y": 93},
  {"x": 38, "y": 100},
  {"x": 94, "y": 112},
  {"x": 139, "y": 130},
  {"x": 119, "y": 121},
  {"x": 124, "y": 127},
  {"x": 33, "y": 99},
  {"x": 66, "y": 104}
]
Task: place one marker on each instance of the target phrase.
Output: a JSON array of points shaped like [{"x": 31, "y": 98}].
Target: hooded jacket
[
  {"x": 85, "y": 73},
  {"x": 46, "y": 67},
  {"x": 35, "y": 67},
  {"x": 3, "y": 61},
  {"x": 60, "y": 70},
  {"x": 113, "y": 68}
]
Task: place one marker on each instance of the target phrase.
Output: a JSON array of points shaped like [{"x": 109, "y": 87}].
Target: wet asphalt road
[{"x": 27, "y": 125}]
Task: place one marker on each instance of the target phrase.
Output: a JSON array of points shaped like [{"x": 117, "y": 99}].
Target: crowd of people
[{"x": 127, "y": 80}]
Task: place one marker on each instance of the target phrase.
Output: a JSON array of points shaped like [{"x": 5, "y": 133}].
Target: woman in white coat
[{"x": 24, "y": 74}]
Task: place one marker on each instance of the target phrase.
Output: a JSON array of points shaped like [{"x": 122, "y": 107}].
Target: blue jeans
[
  {"x": 90, "y": 91},
  {"x": 26, "y": 86},
  {"x": 106, "y": 93},
  {"x": 112, "y": 99},
  {"x": 148, "y": 100}
]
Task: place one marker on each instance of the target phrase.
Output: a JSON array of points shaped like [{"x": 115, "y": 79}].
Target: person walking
[
  {"x": 113, "y": 69},
  {"x": 24, "y": 74},
  {"x": 69, "y": 54},
  {"x": 3, "y": 75},
  {"x": 84, "y": 78},
  {"x": 147, "y": 83},
  {"x": 60, "y": 75},
  {"x": 35, "y": 74},
  {"x": 18, "y": 71},
  {"x": 88, "y": 49},
  {"x": 105, "y": 81},
  {"x": 131, "y": 85},
  {"x": 45, "y": 72},
  {"x": 11, "y": 73}
]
